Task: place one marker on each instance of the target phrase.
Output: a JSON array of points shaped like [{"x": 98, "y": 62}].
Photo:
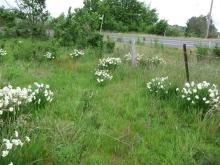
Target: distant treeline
[{"x": 31, "y": 18}]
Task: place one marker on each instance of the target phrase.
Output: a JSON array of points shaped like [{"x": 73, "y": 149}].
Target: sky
[{"x": 177, "y": 12}]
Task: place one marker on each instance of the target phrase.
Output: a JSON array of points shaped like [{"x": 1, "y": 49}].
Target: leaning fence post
[
  {"x": 133, "y": 53},
  {"x": 186, "y": 62}
]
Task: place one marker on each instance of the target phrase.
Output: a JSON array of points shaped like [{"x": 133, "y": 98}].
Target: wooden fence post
[
  {"x": 133, "y": 53},
  {"x": 186, "y": 62}
]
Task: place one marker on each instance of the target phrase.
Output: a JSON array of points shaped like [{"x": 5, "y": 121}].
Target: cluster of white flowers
[
  {"x": 203, "y": 95},
  {"x": 76, "y": 53},
  {"x": 155, "y": 61},
  {"x": 11, "y": 99},
  {"x": 9, "y": 144},
  {"x": 159, "y": 85},
  {"x": 103, "y": 75},
  {"x": 3, "y": 52},
  {"x": 109, "y": 63},
  {"x": 49, "y": 56},
  {"x": 128, "y": 57},
  {"x": 41, "y": 93},
  {"x": 105, "y": 65}
]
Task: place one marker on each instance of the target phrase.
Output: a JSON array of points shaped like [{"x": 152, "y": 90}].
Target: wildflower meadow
[{"x": 99, "y": 109}]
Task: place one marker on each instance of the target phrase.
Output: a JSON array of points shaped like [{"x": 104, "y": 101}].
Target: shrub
[
  {"x": 95, "y": 40},
  {"x": 202, "y": 96},
  {"x": 174, "y": 31},
  {"x": 202, "y": 50},
  {"x": 34, "y": 50},
  {"x": 216, "y": 51},
  {"x": 109, "y": 46}
]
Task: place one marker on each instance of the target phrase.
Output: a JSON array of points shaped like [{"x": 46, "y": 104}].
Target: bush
[
  {"x": 174, "y": 31},
  {"x": 33, "y": 50},
  {"x": 159, "y": 28},
  {"x": 78, "y": 28},
  {"x": 216, "y": 51},
  {"x": 202, "y": 50},
  {"x": 95, "y": 40},
  {"x": 109, "y": 46}
]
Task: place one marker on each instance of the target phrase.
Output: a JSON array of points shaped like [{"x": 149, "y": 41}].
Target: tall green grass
[{"x": 118, "y": 123}]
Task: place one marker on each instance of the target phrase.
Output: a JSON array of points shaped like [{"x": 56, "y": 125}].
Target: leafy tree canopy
[
  {"x": 123, "y": 15},
  {"x": 197, "y": 26}
]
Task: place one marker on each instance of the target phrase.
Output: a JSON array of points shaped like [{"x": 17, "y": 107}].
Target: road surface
[{"x": 170, "y": 41}]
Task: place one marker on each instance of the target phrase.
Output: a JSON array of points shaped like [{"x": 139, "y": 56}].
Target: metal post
[{"x": 186, "y": 62}]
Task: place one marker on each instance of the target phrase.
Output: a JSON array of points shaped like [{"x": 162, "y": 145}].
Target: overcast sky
[{"x": 175, "y": 11}]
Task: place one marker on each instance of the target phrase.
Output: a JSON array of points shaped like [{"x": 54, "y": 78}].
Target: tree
[
  {"x": 175, "y": 30},
  {"x": 92, "y": 5},
  {"x": 7, "y": 17},
  {"x": 123, "y": 15},
  {"x": 35, "y": 15},
  {"x": 10, "y": 20},
  {"x": 197, "y": 26},
  {"x": 77, "y": 27},
  {"x": 35, "y": 10},
  {"x": 161, "y": 27}
]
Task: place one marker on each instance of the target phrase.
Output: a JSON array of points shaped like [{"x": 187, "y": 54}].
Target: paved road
[{"x": 177, "y": 42}]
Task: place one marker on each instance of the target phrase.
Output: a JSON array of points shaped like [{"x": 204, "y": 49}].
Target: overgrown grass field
[{"x": 115, "y": 123}]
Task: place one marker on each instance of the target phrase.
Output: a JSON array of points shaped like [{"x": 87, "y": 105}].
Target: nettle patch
[
  {"x": 203, "y": 95},
  {"x": 77, "y": 53},
  {"x": 105, "y": 66}
]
